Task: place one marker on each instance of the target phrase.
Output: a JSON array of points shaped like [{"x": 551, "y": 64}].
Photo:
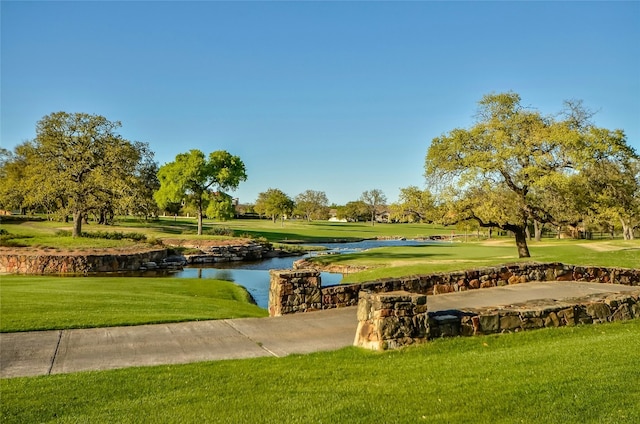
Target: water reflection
[
  {"x": 254, "y": 276},
  {"x": 256, "y": 281}
]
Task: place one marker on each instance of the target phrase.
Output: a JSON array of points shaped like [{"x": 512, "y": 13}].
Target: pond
[{"x": 254, "y": 276}]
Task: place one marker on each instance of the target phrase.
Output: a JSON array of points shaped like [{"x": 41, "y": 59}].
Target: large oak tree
[
  {"x": 192, "y": 177},
  {"x": 496, "y": 171},
  {"x": 76, "y": 163},
  {"x": 415, "y": 205}
]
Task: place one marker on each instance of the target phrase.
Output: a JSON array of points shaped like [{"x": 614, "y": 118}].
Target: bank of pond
[{"x": 254, "y": 276}]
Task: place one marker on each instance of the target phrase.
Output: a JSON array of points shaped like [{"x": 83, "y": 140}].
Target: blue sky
[{"x": 340, "y": 97}]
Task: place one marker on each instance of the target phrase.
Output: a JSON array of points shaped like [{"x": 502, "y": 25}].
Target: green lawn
[
  {"x": 411, "y": 260},
  {"x": 44, "y": 303},
  {"x": 38, "y": 303},
  {"x": 585, "y": 374},
  {"x": 43, "y": 233}
]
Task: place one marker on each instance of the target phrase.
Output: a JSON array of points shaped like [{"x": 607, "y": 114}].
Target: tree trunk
[
  {"x": 527, "y": 232},
  {"x": 200, "y": 221},
  {"x": 627, "y": 230},
  {"x": 77, "y": 224},
  {"x": 521, "y": 242},
  {"x": 537, "y": 229}
]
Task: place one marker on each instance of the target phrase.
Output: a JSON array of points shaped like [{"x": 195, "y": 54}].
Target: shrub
[
  {"x": 115, "y": 235},
  {"x": 154, "y": 241},
  {"x": 220, "y": 231}
]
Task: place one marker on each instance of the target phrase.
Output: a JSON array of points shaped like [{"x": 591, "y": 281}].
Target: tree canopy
[
  {"x": 191, "y": 177},
  {"x": 274, "y": 203},
  {"x": 76, "y": 163},
  {"x": 497, "y": 171},
  {"x": 356, "y": 210},
  {"x": 312, "y": 204},
  {"x": 374, "y": 199},
  {"x": 414, "y": 205}
]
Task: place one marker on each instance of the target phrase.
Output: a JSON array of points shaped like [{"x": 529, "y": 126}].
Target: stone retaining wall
[
  {"x": 433, "y": 284},
  {"x": 396, "y": 319},
  {"x": 391, "y": 320},
  {"x": 229, "y": 253},
  {"x": 598, "y": 308},
  {"x": 344, "y": 295},
  {"x": 39, "y": 263},
  {"x": 62, "y": 263},
  {"x": 292, "y": 291}
]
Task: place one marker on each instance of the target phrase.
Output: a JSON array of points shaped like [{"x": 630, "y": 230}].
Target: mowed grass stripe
[
  {"x": 45, "y": 303},
  {"x": 585, "y": 374}
]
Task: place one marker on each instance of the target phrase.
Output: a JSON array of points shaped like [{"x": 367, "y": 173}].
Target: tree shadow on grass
[
  {"x": 282, "y": 237},
  {"x": 384, "y": 254}
]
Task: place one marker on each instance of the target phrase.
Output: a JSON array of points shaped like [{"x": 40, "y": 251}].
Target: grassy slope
[
  {"x": 41, "y": 303},
  {"x": 569, "y": 375},
  {"x": 411, "y": 260}
]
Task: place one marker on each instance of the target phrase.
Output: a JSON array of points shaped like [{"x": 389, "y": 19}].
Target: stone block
[
  {"x": 599, "y": 312},
  {"x": 624, "y": 312},
  {"x": 510, "y": 321},
  {"x": 390, "y": 320},
  {"x": 567, "y": 316},
  {"x": 552, "y": 320},
  {"x": 489, "y": 323},
  {"x": 532, "y": 323}
]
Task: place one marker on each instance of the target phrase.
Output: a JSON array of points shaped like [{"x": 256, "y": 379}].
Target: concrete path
[{"x": 65, "y": 351}]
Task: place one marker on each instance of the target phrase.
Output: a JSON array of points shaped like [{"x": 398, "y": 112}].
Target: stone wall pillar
[
  {"x": 292, "y": 291},
  {"x": 391, "y": 320}
]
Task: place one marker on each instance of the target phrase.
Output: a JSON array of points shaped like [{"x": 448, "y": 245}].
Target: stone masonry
[
  {"x": 594, "y": 309},
  {"x": 391, "y": 320},
  {"x": 34, "y": 263},
  {"x": 292, "y": 291}
]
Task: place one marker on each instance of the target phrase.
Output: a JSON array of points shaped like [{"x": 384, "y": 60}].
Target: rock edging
[{"x": 85, "y": 263}]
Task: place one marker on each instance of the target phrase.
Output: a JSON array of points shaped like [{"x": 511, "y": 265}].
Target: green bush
[
  {"x": 220, "y": 231},
  {"x": 154, "y": 241},
  {"x": 113, "y": 235}
]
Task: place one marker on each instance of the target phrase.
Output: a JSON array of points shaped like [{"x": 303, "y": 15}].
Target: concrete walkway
[{"x": 66, "y": 351}]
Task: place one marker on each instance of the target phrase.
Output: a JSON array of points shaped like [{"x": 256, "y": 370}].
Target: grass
[
  {"x": 568, "y": 375},
  {"x": 411, "y": 260},
  {"x": 45, "y": 303},
  {"x": 42, "y": 233},
  {"x": 585, "y": 374}
]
